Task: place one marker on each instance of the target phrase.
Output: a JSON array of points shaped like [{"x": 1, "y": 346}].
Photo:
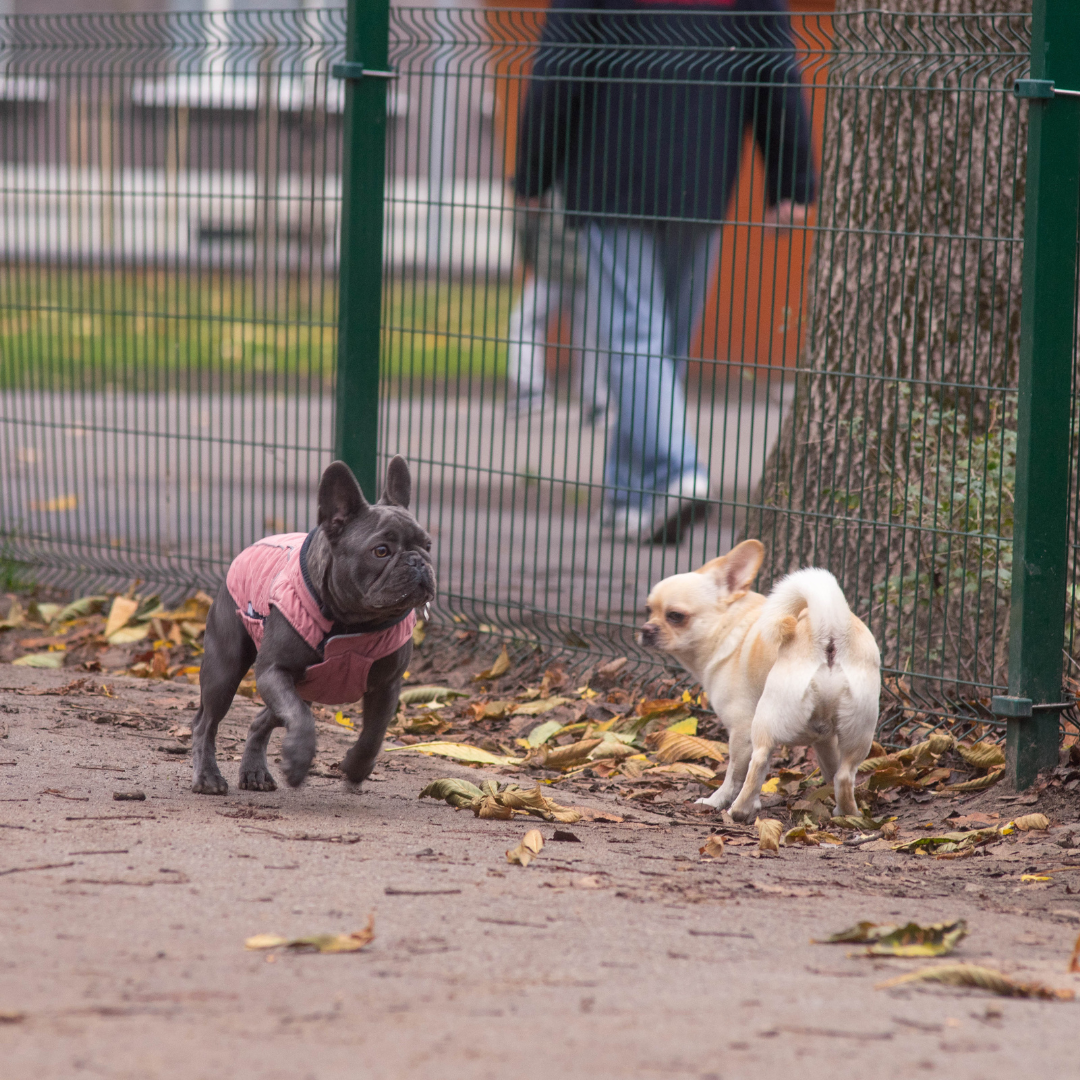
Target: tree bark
[{"x": 894, "y": 465}]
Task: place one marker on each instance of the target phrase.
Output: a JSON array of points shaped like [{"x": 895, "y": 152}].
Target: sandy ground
[{"x": 626, "y": 954}]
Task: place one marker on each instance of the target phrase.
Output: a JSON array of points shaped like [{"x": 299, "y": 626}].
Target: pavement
[{"x": 626, "y": 954}]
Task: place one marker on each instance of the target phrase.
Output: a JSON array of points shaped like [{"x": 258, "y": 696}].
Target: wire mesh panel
[
  {"x": 660, "y": 281},
  {"x": 169, "y": 196}
]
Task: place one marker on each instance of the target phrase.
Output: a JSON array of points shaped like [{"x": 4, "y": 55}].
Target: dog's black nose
[{"x": 648, "y": 634}]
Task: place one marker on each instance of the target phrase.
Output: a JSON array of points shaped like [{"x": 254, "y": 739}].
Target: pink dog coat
[{"x": 273, "y": 573}]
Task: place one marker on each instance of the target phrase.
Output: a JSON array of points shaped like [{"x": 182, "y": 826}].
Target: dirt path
[{"x": 625, "y": 955}]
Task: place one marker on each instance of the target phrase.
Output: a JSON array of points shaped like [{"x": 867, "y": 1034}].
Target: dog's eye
[
  {"x": 427, "y": 546},
  {"x": 676, "y": 618},
  {"x": 382, "y": 551}
]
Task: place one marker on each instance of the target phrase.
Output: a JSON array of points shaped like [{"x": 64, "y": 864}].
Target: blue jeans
[{"x": 647, "y": 287}]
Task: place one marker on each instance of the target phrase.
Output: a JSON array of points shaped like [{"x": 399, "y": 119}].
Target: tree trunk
[{"x": 895, "y": 465}]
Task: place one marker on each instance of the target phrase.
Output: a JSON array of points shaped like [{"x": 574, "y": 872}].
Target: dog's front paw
[
  {"x": 746, "y": 811},
  {"x": 297, "y": 754},
  {"x": 256, "y": 778},
  {"x": 210, "y": 783},
  {"x": 357, "y": 768}
]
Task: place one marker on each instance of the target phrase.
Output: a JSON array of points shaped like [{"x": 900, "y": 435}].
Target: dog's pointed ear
[
  {"x": 735, "y": 571},
  {"x": 340, "y": 499},
  {"x": 398, "y": 487}
]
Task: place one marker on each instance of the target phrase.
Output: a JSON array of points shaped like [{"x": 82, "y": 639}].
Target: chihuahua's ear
[
  {"x": 398, "y": 487},
  {"x": 735, "y": 571},
  {"x": 340, "y": 499}
]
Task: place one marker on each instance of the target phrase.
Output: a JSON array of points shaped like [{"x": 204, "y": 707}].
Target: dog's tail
[{"x": 818, "y": 593}]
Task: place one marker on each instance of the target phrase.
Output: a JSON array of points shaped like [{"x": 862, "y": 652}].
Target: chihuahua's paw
[
  {"x": 210, "y": 783},
  {"x": 256, "y": 778},
  {"x": 744, "y": 812}
]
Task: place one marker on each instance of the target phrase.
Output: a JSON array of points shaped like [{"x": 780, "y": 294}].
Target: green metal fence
[{"x": 184, "y": 196}]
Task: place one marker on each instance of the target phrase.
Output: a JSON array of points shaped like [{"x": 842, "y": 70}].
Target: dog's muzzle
[{"x": 648, "y": 635}]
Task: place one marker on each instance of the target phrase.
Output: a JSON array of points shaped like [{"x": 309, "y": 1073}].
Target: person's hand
[{"x": 787, "y": 213}]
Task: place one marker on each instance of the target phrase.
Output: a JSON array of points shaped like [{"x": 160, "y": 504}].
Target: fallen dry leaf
[
  {"x": 458, "y": 752},
  {"x": 457, "y": 792},
  {"x": 121, "y": 611},
  {"x": 1074, "y": 960},
  {"x": 671, "y": 746},
  {"x": 536, "y": 708},
  {"x": 423, "y": 695},
  {"x": 911, "y": 939},
  {"x": 562, "y": 757},
  {"x": 530, "y": 846},
  {"x": 980, "y": 783},
  {"x": 500, "y": 667},
  {"x": 769, "y": 832},
  {"x": 1032, "y": 822},
  {"x": 982, "y": 755},
  {"x": 713, "y": 847},
  {"x": 40, "y": 660},
  {"x": 322, "y": 943},
  {"x": 983, "y": 978}
]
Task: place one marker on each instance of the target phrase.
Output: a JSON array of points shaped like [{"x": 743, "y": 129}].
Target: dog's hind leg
[
  {"x": 229, "y": 652},
  {"x": 254, "y": 772}
]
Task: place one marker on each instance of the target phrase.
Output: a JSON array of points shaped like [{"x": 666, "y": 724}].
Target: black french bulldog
[{"x": 358, "y": 575}]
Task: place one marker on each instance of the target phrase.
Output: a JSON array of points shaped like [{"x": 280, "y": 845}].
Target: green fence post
[
  {"x": 1047, "y": 324},
  {"x": 363, "y": 176}
]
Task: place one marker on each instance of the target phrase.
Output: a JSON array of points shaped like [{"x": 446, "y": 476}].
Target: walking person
[
  {"x": 636, "y": 111},
  {"x": 554, "y": 261}
]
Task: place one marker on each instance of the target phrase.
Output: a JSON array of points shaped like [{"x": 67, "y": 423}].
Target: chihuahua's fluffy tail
[{"x": 818, "y": 594}]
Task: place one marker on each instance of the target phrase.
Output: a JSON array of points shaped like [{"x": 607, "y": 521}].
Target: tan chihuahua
[{"x": 796, "y": 667}]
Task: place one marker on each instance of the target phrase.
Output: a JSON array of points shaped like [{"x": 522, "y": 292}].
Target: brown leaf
[
  {"x": 562, "y": 757},
  {"x": 322, "y": 943},
  {"x": 553, "y": 678},
  {"x": 500, "y": 667},
  {"x": 659, "y": 707},
  {"x": 769, "y": 832},
  {"x": 983, "y": 755},
  {"x": 713, "y": 847},
  {"x": 530, "y": 846},
  {"x": 670, "y": 746},
  {"x": 980, "y": 783},
  {"x": 1029, "y": 822},
  {"x": 983, "y": 978},
  {"x": 489, "y": 710},
  {"x": 1074, "y": 960}
]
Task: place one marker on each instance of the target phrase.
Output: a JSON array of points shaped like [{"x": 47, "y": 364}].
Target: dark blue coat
[{"x": 637, "y": 109}]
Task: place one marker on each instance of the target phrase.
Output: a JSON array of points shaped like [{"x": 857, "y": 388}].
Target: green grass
[{"x": 149, "y": 330}]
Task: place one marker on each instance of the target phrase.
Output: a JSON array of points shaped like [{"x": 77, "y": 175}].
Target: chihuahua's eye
[
  {"x": 382, "y": 552},
  {"x": 676, "y": 618}
]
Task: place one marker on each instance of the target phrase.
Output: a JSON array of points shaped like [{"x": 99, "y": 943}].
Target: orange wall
[{"x": 756, "y": 307}]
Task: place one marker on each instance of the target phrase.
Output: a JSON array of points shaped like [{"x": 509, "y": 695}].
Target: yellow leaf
[
  {"x": 56, "y": 505},
  {"x": 983, "y": 755},
  {"x": 121, "y": 611},
  {"x": 40, "y": 660},
  {"x": 530, "y": 846},
  {"x": 771, "y": 787},
  {"x": 544, "y": 732},
  {"x": 323, "y": 943},
  {"x": 1029, "y": 878},
  {"x": 419, "y": 633},
  {"x": 673, "y": 746},
  {"x": 1030, "y": 822},
  {"x": 535, "y": 708},
  {"x": 343, "y": 720},
  {"x": 713, "y": 847},
  {"x": 684, "y": 727},
  {"x": 769, "y": 832},
  {"x": 128, "y": 635},
  {"x": 500, "y": 667},
  {"x": 459, "y": 752}
]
